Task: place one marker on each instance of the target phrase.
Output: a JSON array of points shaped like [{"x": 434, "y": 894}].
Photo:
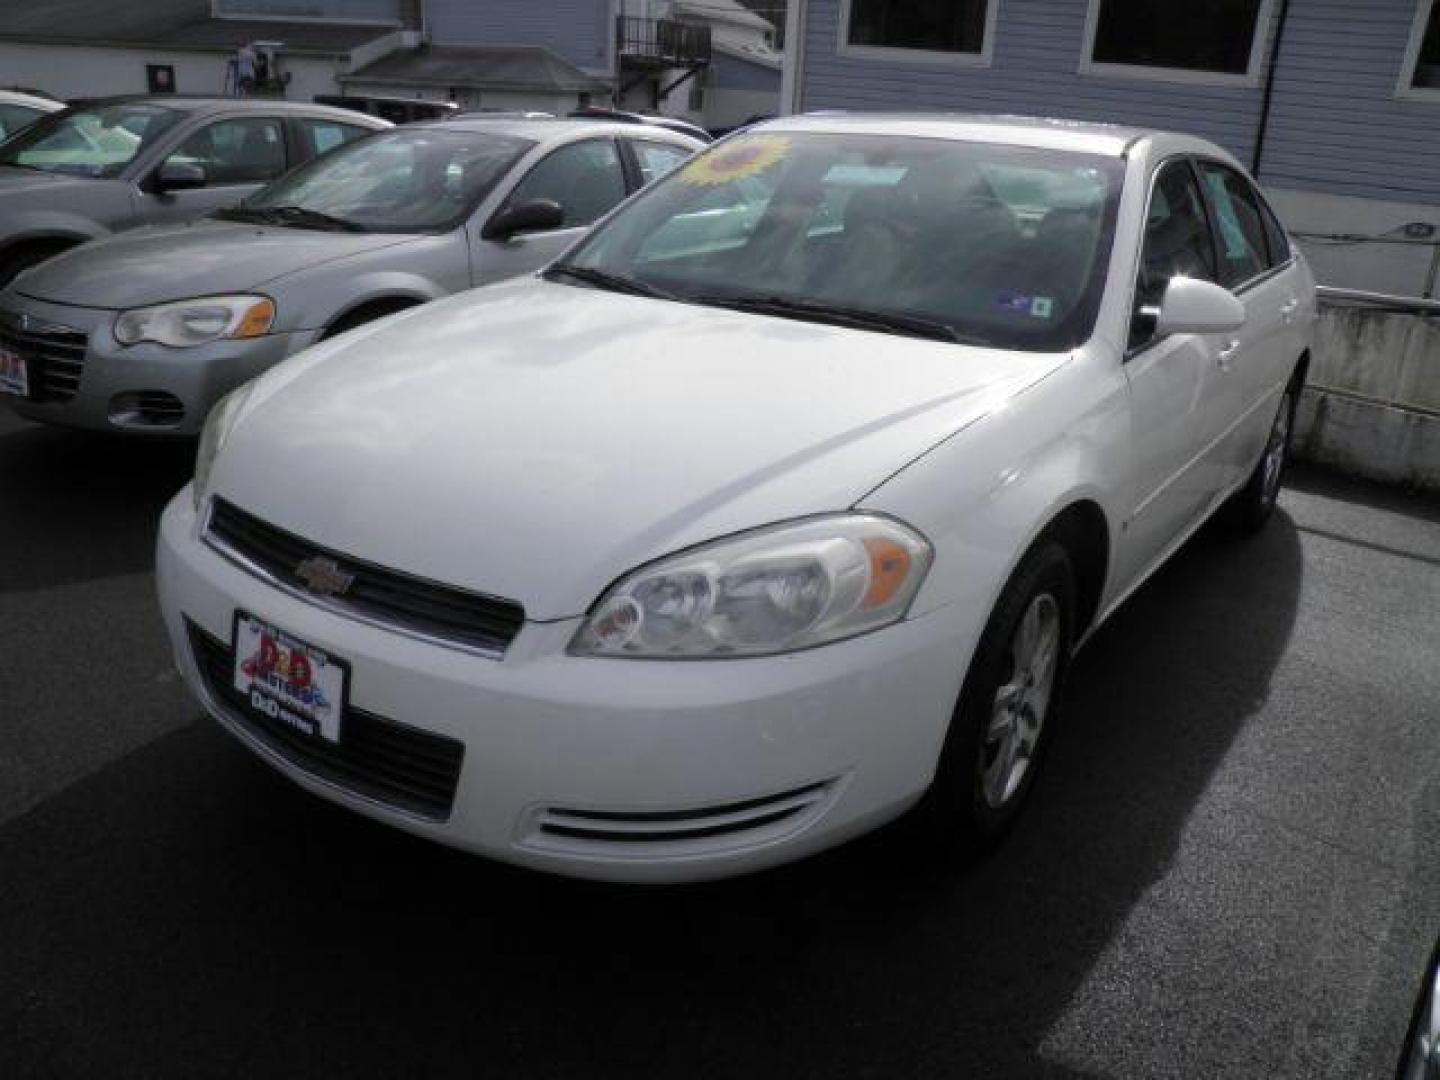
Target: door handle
[
  {"x": 1226, "y": 353},
  {"x": 1288, "y": 310}
]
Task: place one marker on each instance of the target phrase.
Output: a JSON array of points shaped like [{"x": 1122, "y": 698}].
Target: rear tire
[
  {"x": 1007, "y": 710},
  {"x": 1255, "y": 502}
]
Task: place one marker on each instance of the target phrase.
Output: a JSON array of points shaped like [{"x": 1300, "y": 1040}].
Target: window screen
[
  {"x": 1197, "y": 35},
  {"x": 1241, "y": 229},
  {"x": 935, "y": 25}
]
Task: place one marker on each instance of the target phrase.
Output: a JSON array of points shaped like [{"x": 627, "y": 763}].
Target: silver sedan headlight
[
  {"x": 773, "y": 590},
  {"x": 218, "y": 426},
  {"x": 196, "y": 322}
]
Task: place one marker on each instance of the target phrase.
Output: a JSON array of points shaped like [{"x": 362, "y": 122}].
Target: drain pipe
[{"x": 1264, "y": 123}]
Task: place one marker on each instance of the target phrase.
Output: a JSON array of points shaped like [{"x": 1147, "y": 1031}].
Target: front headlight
[
  {"x": 770, "y": 591},
  {"x": 195, "y": 322},
  {"x": 212, "y": 438}
]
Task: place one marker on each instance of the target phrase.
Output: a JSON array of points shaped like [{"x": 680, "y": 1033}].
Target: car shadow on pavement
[
  {"x": 188, "y": 906},
  {"x": 78, "y": 506}
]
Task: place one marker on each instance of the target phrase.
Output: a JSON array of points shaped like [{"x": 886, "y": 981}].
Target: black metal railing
[{"x": 663, "y": 40}]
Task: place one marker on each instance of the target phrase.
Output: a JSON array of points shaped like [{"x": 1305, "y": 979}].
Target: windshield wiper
[
  {"x": 604, "y": 279},
  {"x": 297, "y": 216},
  {"x": 843, "y": 315}
]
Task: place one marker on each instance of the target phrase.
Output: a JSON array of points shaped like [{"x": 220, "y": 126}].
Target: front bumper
[
  {"x": 146, "y": 388},
  {"x": 613, "y": 769}
]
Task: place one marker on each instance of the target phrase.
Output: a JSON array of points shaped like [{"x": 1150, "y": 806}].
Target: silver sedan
[{"x": 143, "y": 332}]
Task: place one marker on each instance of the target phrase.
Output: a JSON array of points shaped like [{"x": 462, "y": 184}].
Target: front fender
[{"x": 984, "y": 496}]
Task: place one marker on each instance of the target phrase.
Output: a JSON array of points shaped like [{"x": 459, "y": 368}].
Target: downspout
[
  {"x": 792, "y": 74},
  {"x": 1264, "y": 124}
]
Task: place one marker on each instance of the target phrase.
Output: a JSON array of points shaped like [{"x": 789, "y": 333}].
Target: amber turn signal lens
[
  {"x": 256, "y": 321},
  {"x": 889, "y": 567}
]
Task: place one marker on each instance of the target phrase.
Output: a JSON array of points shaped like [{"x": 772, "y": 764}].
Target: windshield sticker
[
  {"x": 1019, "y": 303},
  {"x": 1041, "y": 307},
  {"x": 736, "y": 160}
]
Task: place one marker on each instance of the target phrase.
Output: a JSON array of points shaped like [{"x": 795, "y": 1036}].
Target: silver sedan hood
[{"x": 201, "y": 258}]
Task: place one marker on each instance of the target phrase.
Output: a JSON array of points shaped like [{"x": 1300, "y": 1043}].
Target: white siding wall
[{"x": 82, "y": 71}]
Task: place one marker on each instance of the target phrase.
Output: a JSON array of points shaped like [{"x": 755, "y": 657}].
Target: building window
[
  {"x": 955, "y": 31},
  {"x": 1421, "y": 75},
  {"x": 1215, "y": 41}
]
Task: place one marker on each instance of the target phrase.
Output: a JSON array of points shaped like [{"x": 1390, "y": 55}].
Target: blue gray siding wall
[
  {"x": 733, "y": 73},
  {"x": 578, "y": 30},
  {"x": 1335, "y": 126}
]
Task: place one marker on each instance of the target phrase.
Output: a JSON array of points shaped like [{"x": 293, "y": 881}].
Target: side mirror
[
  {"x": 533, "y": 215},
  {"x": 1192, "y": 306},
  {"x": 177, "y": 176}
]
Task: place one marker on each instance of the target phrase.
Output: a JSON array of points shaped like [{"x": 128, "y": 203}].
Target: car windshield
[
  {"x": 95, "y": 142},
  {"x": 963, "y": 241},
  {"x": 406, "y": 180}
]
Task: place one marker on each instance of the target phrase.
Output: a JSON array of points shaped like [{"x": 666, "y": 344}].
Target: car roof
[
  {"x": 212, "y": 104},
  {"x": 33, "y": 101},
  {"x": 548, "y": 129},
  {"x": 1082, "y": 136}
]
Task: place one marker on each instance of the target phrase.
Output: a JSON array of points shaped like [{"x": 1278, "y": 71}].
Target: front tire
[{"x": 1007, "y": 709}]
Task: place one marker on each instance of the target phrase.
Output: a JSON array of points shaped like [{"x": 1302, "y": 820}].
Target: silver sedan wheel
[
  {"x": 1274, "y": 463},
  {"x": 1021, "y": 704}
]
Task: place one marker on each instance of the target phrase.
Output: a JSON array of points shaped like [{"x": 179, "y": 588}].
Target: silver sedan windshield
[
  {"x": 967, "y": 241},
  {"x": 96, "y": 142},
  {"x": 407, "y": 180}
]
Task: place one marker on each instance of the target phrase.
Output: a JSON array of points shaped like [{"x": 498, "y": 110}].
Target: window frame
[
  {"x": 1405, "y": 88},
  {"x": 1271, "y": 268},
  {"x": 926, "y": 57},
  {"x": 1259, "y": 45}
]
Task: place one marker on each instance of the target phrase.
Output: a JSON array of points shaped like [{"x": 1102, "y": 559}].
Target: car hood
[
  {"x": 536, "y": 440},
  {"x": 201, "y": 258}
]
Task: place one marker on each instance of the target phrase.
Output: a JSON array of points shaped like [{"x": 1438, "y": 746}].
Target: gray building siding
[
  {"x": 732, "y": 73},
  {"x": 578, "y": 30},
  {"x": 1336, "y": 125}
]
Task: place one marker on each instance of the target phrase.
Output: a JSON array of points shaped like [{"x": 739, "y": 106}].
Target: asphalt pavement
[{"x": 1231, "y": 867}]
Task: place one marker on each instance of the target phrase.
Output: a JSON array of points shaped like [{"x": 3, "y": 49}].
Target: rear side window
[
  {"x": 1244, "y": 252},
  {"x": 1276, "y": 237},
  {"x": 241, "y": 150},
  {"x": 321, "y": 136},
  {"x": 656, "y": 159}
]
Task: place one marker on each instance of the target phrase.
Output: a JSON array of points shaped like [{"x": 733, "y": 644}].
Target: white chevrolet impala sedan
[{"x": 774, "y": 509}]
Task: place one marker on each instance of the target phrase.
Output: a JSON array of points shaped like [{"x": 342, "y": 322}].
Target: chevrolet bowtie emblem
[{"x": 324, "y": 575}]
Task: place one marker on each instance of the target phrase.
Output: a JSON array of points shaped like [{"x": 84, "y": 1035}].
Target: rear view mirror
[
  {"x": 533, "y": 215},
  {"x": 177, "y": 176},
  {"x": 1192, "y": 306}
]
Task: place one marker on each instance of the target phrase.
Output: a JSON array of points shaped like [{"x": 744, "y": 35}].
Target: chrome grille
[{"x": 55, "y": 353}]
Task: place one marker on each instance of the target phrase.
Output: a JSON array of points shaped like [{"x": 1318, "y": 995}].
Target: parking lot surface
[{"x": 1231, "y": 866}]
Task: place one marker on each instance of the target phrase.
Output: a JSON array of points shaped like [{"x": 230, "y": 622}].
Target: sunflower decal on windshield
[{"x": 737, "y": 159}]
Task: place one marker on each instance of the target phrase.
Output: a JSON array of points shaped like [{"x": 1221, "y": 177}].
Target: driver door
[
  {"x": 586, "y": 178},
  {"x": 238, "y": 154},
  {"x": 1172, "y": 379}
]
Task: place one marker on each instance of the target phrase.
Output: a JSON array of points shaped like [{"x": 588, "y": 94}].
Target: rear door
[
  {"x": 1259, "y": 268},
  {"x": 1172, "y": 378},
  {"x": 587, "y": 179},
  {"x": 238, "y": 154}
]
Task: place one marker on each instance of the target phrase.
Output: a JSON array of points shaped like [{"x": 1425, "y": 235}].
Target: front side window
[
  {"x": 1213, "y": 36},
  {"x": 241, "y": 150},
  {"x": 945, "y": 26},
  {"x": 970, "y": 241},
  {"x": 98, "y": 142},
  {"x": 403, "y": 180},
  {"x": 1241, "y": 229},
  {"x": 1177, "y": 242},
  {"x": 585, "y": 178}
]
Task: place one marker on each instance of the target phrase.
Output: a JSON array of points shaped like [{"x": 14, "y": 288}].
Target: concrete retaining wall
[{"x": 1373, "y": 403}]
